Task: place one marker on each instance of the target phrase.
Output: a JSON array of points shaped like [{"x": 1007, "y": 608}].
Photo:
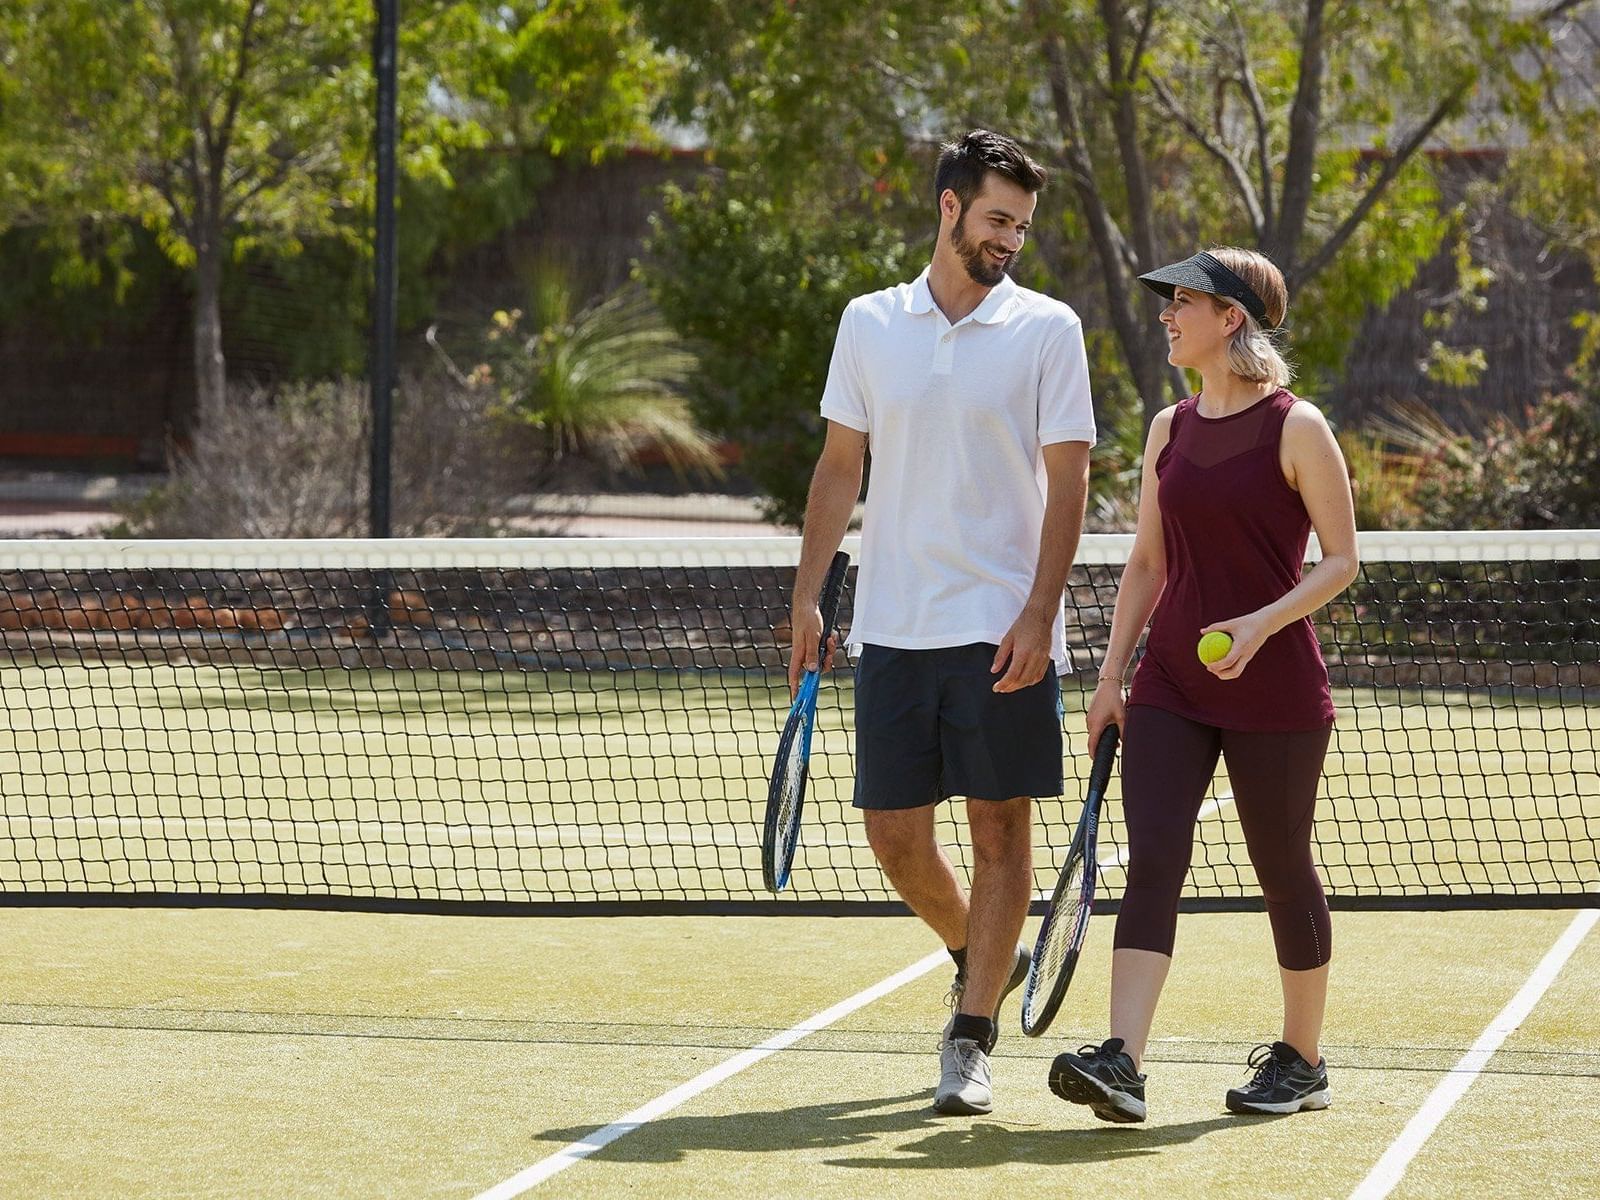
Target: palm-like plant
[{"x": 607, "y": 384}]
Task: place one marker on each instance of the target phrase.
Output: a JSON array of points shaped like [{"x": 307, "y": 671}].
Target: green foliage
[
  {"x": 122, "y": 102},
  {"x": 574, "y": 78},
  {"x": 1539, "y": 473},
  {"x": 79, "y": 292},
  {"x": 759, "y": 295},
  {"x": 1386, "y": 471},
  {"x": 246, "y": 125},
  {"x": 606, "y": 384},
  {"x": 1404, "y": 230},
  {"x": 831, "y": 98},
  {"x": 1552, "y": 178},
  {"x": 832, "y": 104}
]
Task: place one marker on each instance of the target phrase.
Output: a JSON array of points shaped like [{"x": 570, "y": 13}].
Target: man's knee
[
  {"x": 1001, "y": 831},
  {"x": 899, "y": 835}
]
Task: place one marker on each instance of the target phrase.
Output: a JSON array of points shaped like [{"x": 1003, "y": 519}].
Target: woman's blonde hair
[{"x": 1253, "y": 351}]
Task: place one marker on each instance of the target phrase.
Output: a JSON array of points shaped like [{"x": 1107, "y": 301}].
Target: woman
[{"x": 1235, "y": 478}]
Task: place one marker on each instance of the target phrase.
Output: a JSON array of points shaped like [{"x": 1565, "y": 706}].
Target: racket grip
[
  {"x": 832, "y": 592},
  {"x": 1105, "y": 753}
]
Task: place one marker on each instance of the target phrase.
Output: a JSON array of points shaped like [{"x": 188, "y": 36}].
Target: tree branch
[
  {"x": 1125, "y": 122},
  {"x": 1300, "y": 164},
  {"x": 241, "y": 72},
  {"x": 1551, "y": 12},
  {"x": 160, "y": 178},
  {"x": 1218, "y": 150},
  {"x": 1118, "y": 260},
  {"x": 277, "y": 175},
  {"x": 1141, "y": 41},
  {"x": 1258, "y": 111},
  {"x": 1392, "y": 166}
]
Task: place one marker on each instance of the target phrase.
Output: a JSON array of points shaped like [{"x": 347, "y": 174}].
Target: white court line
[
  {"x": 540, "y": 1171},
  {"x": 1385, "y": 1175},
  {"x": 666, "y": 1102}
]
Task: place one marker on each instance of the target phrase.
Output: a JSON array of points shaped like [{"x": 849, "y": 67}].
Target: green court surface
[
  {"x": 295, "y": 1054},
  {"x": 280, "y": 1054}
]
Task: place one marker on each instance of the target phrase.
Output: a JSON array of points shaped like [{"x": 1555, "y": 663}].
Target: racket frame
[
  {"x": 780, "y": 835},
  {"x": 1036, "y": 1016}
]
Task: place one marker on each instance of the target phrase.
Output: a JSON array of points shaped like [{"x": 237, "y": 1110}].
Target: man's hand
[
  {"x": 805, "y": 625},
  {"x": 1027, "y": 648}
]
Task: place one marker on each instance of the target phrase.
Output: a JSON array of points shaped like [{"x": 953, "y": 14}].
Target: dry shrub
[{"x": 293, "y": 463}]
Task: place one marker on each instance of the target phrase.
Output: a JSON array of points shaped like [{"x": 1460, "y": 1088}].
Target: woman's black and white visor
[{"x": 1203, "y": 273}]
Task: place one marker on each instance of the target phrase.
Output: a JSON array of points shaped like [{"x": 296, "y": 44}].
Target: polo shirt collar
[
  {"x": 995, "y": 305},
  {"x": 991, "y": 312}
]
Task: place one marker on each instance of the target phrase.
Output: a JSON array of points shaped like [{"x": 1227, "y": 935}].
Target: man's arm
[
  {"x": 1027, "y": 643},
  {"x": 835, "y": 484}
]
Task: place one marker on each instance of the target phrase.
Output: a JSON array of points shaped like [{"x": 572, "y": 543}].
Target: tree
[
  {"x": 759, "y": 297},
  {"x": 229, "y": 125},
  {"x": 1296, "y": 126},
  {"x": 1552, "y": 177}
]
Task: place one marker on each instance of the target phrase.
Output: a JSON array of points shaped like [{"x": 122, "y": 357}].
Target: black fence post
[{"x": 384, "y": 52}]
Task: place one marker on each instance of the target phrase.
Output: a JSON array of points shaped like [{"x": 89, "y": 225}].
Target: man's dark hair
[{"x": 964, "y": 162}]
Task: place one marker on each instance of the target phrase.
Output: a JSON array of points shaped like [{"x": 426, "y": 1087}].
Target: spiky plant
[{"x": 607, "y": 384}]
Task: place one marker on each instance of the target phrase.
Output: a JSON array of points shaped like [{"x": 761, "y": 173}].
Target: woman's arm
[{"x": 1142, "y": 582}]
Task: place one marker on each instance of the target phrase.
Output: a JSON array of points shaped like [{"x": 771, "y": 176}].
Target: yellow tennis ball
[{"x": 1214, "y": 646}]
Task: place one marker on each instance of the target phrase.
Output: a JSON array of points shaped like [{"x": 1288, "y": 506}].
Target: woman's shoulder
[
  {"x": 1161, "y": 425},
  {"x": 1299, "y": 414},
  {"x": 1173, "y": 412},
  {"x": 1291, "y": 402}
]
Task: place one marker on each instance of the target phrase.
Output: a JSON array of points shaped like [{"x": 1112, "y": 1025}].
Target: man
[{"x": 973, "y": 395}]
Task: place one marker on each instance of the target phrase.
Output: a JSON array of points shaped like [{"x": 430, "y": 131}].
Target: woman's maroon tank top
[{"x": 1235, "y": 534}]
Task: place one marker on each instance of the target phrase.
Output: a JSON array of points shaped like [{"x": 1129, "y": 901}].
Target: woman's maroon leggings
[{"x": 1167, "y": 764}]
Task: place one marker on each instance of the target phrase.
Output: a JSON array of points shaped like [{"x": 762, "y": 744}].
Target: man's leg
[
  {"x": 909, "y": 853},
  {"x": 1002, "y": 885}
]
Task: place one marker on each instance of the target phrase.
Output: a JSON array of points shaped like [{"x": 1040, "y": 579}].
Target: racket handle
[
  {"x": 832, "y": 591},
  {"x": 1105, "y": 753}
]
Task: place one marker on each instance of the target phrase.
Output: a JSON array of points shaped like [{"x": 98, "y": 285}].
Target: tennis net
[{"x": 587, "y": 725}]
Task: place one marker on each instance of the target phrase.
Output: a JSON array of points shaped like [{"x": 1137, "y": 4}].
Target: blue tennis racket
[{"x": 787, "y": 792}]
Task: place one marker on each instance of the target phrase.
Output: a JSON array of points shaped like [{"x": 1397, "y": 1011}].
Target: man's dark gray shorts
[{"x": 929, "y": 725}]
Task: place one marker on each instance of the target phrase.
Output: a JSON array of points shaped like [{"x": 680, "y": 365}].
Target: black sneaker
[
  {"x": 1284, "y": 1083},
  {"x": 1104, "y": 1078},
  {"x": 1019, "y": 972}
]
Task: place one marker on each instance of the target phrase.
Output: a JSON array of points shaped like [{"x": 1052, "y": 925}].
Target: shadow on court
[{"x": 950, "y": 1142}]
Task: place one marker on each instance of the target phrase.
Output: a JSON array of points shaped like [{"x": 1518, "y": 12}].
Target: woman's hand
[
  {"x": 1106, "y": 708},
  {"x": 1248, "y": 633}
]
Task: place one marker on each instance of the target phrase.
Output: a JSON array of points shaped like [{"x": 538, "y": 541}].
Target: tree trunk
[
  {"x": 210, "y": 369},
  {"x": 1138, "y": 336},
  {"x": 1282, "y": 243}
]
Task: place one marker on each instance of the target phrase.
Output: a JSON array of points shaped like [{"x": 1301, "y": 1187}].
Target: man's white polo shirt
[{"x": 956, "y": 418}]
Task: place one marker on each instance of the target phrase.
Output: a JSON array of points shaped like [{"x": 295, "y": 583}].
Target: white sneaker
[{"x": 963, "y": 1079}]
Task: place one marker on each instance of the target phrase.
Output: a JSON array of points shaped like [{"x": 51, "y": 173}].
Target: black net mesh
[{"x": 446, "y": 731}]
